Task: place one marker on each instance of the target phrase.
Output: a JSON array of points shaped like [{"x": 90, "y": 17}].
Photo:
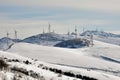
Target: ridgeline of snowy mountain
[
  {"x": 111, "y": 40},
  {"x": 61, "y": 40},
  {"x": 6, "y": 43},
  {"x": 100, "y": 33},
  {"x": 104, "y": 36},
  {"x": 45, "y": 39}
]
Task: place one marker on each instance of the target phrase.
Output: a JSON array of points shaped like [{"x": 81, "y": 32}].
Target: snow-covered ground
[
  {"x": 111, "y": 40},
  {"x": 47, "y": 74},
  {"x": 43, "y": 74},
  {"x": 102, "y": 57}
]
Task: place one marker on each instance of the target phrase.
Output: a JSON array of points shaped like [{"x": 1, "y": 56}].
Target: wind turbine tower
[
  {"x": 49, "y": 28},
  {"x": 68, "y": 34},
  {"x": 91, "y": 39},
  {"x": 43, "y": 31},
  {"x": 7, "y": 35},
  {"x": 83, "y": 29},
  {"x": 7, "y": 38},
  {"x": 75, "y": 32},
  {"x": 15, "y": 34}
]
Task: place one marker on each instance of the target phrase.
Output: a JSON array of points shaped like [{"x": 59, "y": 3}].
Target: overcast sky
[{"x": 29, "y": 17}]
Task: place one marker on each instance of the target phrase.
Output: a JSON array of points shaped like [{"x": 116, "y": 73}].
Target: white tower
[
  {"x": 53, "y": 31},
  {"x": 83, "y": 29},
  {"x": 7, "y": 37},
  {"x": 49, "y": 28},
  {"x": 68, "y": 34},
  {"x": 43, "y": 31},
  {"x": 96, "y": 29},
  {"x": 15, "y": 34},
  {"x": 91, "y": 39},
  {"x": 75, "y": 32}
]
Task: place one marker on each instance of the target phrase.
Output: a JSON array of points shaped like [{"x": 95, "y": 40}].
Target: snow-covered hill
[
  {"x": 111, "y": 40},
  {"x": 103, "y": 36},
  {"x": 25, "y": 68},
  {"x": 100, "y": 33},
  {"x": 46, "y": 39},
  {"x": 102, "y": 57},
  {"x": 6, "y": 43},
  {"x": 51, "y": 39}
]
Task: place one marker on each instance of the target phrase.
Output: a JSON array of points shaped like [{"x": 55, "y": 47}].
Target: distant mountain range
[
  {"x": 100, "y": 33},
  {"x": 53, "y": 39},
  {"x": 104, "y": 36}
]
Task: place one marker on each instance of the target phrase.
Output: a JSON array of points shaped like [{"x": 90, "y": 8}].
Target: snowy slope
[
  {"x": 104, "y": 36},
  {"x": 112, "y": 40},
  {"x": 46, "y": 39},
  {"x": 47, "y": 74},
  {"x": 6, "y": 43},
  {"x": 43, "y": 74},
  {"x": 103, "y": 49},
  {"x": 102, "y": 57}
]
